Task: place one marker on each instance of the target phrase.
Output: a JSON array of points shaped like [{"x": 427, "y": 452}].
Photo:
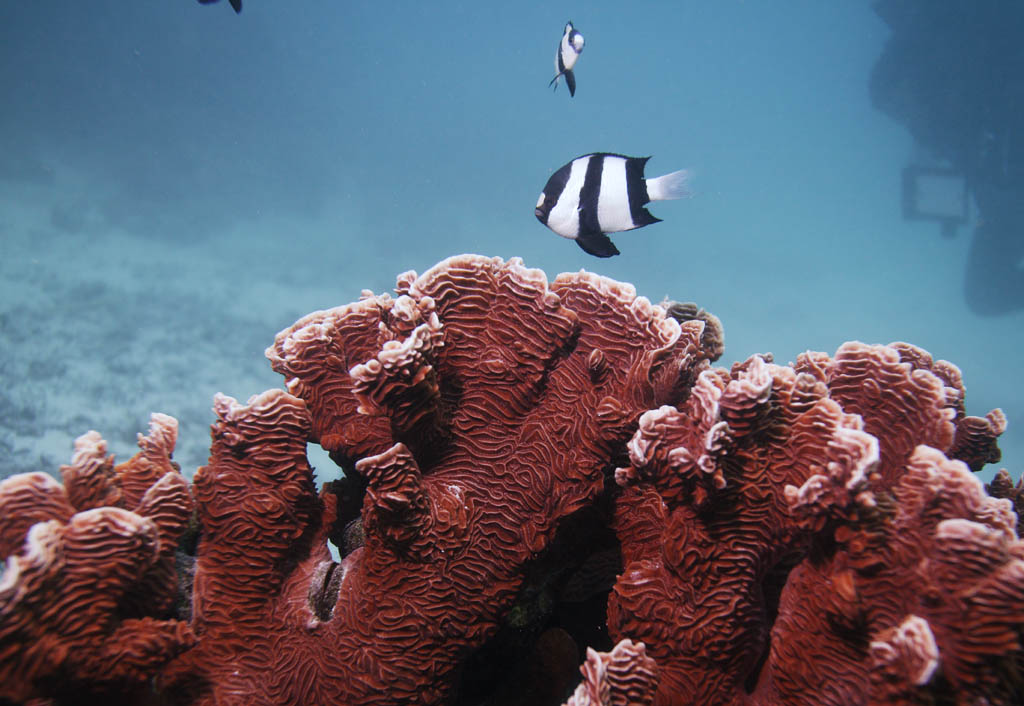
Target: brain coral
[
  {"x": 90, "y": 572},
  {"x": 788, "y": 523},
  {"x": 531, "y": 468},
  {"x": 479, "y": 408}
]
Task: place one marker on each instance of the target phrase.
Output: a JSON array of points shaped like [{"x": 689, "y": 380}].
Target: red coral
[
  {"x": 941, "y": 602},
  {"x": 626, "y": 676},
  {"x": 772, "y": 537},
  {"x": 1002, "y": 486},
  {"x": 789, "y": 534},
  {"x": 480, "y": 407},
  {"x": 90, "y": 573}
]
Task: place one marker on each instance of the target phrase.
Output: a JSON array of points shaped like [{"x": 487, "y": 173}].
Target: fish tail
[{"x": 670, "y": 186}]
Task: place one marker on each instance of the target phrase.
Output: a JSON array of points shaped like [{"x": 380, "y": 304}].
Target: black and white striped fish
[
  {"x": 565, "y": 58},
  {"x": 603, "y": 193}
]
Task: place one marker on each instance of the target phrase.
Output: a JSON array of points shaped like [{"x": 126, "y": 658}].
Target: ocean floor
[{"x": 101, "y": 327}]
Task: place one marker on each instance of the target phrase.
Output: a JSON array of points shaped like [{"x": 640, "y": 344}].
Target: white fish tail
[{"x": 670, "y": 186}]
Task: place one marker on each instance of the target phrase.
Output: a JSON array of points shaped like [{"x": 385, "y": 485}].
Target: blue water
[{"x": 381, "y": 137}]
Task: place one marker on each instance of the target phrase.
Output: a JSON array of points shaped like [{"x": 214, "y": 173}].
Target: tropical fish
[
  {"x": 603, "y": 193},
  {"x": 565, "y": 58}
]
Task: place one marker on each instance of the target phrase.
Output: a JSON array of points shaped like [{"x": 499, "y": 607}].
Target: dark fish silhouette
[{"x": 237, "y": 4}]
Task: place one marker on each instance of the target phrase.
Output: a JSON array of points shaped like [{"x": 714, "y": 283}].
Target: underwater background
[{"x": 178, "y": 183}]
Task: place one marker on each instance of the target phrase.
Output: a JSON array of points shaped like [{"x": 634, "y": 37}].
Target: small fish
[
  {"x": 603, "y": 193},
  {"x": 565, "y": 58},
  {"x": 237, "y": 4}
]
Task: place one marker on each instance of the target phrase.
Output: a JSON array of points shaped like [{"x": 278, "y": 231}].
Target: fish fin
[
  {"x": 644, "y": 218},
  {"x": 570, "y": 81},
  {"x": 670, "y": 186},
  {"x": 237, "y": 4},
  {"x": 597, "y": 244}
]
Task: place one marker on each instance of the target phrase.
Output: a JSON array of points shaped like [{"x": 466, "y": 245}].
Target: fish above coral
[
  {"x": 568, "y": 53},
  {"x": 539, "y": 476},
  {"x": 603, "y": 193}
]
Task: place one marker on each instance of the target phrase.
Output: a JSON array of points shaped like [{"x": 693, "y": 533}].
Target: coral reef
[
  {"x": 473, "y": 442},
  {"x": 518, "y": 454},
  {"x": 90, "y": 573},
  {"x": 787, "y": 523}
]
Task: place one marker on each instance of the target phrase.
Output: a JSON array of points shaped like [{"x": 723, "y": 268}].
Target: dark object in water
[{"x": 236, "y": 4}]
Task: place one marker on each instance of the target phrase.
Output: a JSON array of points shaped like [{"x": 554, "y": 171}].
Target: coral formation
[
  {"x": 787, "y": 523},
  {"x": 473, "y": 442},
  {"x": 90, "y": 572},
  {"x": 626, "y": 676},
  {"x": 511, "y": 447}
]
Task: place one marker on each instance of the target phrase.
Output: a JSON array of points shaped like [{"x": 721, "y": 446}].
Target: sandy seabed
[{"x": 101, "y": 327}]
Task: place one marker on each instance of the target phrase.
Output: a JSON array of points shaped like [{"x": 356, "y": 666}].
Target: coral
[
  {"x": 626, "y": 676},
  {"x": 809, "y": 533},
  {"x": 788, "y": 523},
  {"x": 90, "y": 573},
  {"x": 1002, "y": 486},
  {"x": 479, "y": 408}
]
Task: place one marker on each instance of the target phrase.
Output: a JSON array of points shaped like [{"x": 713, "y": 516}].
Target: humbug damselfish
[
  {"x": 603, "y": 193},
  {"x": 569, "y": 50}
]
